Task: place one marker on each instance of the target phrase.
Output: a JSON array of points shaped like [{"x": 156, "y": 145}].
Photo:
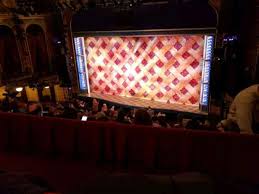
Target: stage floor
[{"x": 136, "y": 102}]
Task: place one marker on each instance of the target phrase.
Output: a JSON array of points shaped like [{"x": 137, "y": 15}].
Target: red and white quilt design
[{"x": 167, "y": 69}]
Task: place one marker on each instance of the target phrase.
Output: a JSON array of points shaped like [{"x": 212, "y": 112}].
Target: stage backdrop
[{"x": 166, "y": 69}]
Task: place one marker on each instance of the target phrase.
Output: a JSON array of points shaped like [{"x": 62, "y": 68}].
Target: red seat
[
  {"x": 142, "y": 146},
  {"x": 173, "y": 150},
  {"x": 19, "y": 133},
  {"x": 120, "y": 134},
  {"x": 89, "y": 140},
  {"x": 42, "y": 134},
  {"x": 108, "y": 140},
  {"x": 65, "y": 136},
  {"x": 5, "y": 120},
  {"x": 242, "y": 157},
  {"x": 220, "y": 155},
  {"x": 208, "y": 152}
]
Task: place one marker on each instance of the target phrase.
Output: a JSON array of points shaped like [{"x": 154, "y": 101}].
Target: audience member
[
  {"x": 142, "y": 117},
  {"x": 160, "y": 121},
  {"x": 69, "y": 111},
  {"x": 228, "y": 125},
  {"x": 101, "y": 116},
  {"x": 194, "y": 124},
  {"x": 22, "y": 107},
  {"x": 95, "y": 107},
  {"x": 77, "y": 108},
  {"x": 34, "y": 108},
  {"x": 150, "y": 112},
  {"x": 179, "y": 120},
  {"x": 242, "y": 108},
  {"x": 123, "y": 116}
]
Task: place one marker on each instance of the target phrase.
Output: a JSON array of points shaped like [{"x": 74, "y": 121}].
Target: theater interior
[{"x": 129, "y": 96}]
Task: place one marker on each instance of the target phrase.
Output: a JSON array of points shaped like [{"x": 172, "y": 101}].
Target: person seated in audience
[
  {"x": 179, "y": 121},
  {"x": 10, "y": 101},
  {"x": 150, "y": 112},
  {"x": 142, "y": 117},
  {"x": 242, "y": 108},
  {"x": 5, "y": 104},
  {"x": 34, "y": 108},
  {"x": 123, "y": 116},
  {"x": 228, "y": 125},
  {"x": 112, "y": 113},
  {"x": 194, "y": 124},
  {"x": 211, "y": 122},
  {"x": 55, "y": 111},
  {"x": 160, "y": 121},
  {"x": 101, "y": 116},
  {"x": 82, "y": 105},
  {"x": 22, "y": 107},
  {"x": 81, "y": 113},
  {"x": 69, "y": 111},
  {"x": 95, "y": 106},
  {"x": 206, "y": 125},
  {"x": 105, "y": 109}
]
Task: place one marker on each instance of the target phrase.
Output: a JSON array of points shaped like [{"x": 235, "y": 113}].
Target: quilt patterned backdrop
[{"x": 166, "y": 69}]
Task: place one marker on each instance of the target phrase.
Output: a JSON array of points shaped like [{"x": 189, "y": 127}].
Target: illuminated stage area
[
  {"x": 163, "y": 72},
  {"x": 137, "y": 102}
]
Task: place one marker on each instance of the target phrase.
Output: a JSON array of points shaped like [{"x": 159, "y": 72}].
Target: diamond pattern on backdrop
[{"x": 166, "y": 69}]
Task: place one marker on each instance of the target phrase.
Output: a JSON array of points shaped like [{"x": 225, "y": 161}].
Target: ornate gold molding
[{"x": 8, "y": 3}]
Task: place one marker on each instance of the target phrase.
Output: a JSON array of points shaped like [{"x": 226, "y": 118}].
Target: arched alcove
[
  {"x": 10, "y": 62},
  {"x": 38, "y": 49}
]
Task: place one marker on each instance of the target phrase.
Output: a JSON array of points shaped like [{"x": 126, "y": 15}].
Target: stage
[
  {"x": 164, "y": 72},
  {"x": 139, "y": 103}
]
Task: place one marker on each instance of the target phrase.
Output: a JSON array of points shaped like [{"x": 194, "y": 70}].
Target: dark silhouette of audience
[
  {"x": 98, "y": 110},
  {"x": 142, "y": 117}
]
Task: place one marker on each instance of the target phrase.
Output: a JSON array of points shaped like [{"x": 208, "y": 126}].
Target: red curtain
[
  {"x": 38, "y": 49},
  {"x": 9, "y": 58}
]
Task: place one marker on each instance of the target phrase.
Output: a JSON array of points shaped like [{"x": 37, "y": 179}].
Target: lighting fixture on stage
[
  {"x": 19, "y": 89},
  {"x": 46, "y": 87}
]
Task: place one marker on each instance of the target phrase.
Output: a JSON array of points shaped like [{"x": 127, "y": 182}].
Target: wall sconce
[{"x": 19, "y": 89}]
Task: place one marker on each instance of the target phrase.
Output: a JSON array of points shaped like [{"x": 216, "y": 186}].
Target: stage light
[
  {"x": 46, "y": 87},
  {"x": 19, "y": 89}
]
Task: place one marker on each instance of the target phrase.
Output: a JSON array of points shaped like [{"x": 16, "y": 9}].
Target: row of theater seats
[{"x": 221, "y": 155}]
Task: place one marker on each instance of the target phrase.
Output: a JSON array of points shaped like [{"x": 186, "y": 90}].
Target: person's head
[
  {"x": 150, "y": 111},
  {"x": 162, "y": 120},
  {"x": 22, "y": 106},
  {"x": 104, "y": 108},
  {"x": 180, "y": 118},
  {"x": 34, "y": 108},
  {"x": 95, "y": 106},
  {"x": 142, "y": 117},
  {"x": 122, "y": 113},
  {"x": 194, "y": 123}
]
